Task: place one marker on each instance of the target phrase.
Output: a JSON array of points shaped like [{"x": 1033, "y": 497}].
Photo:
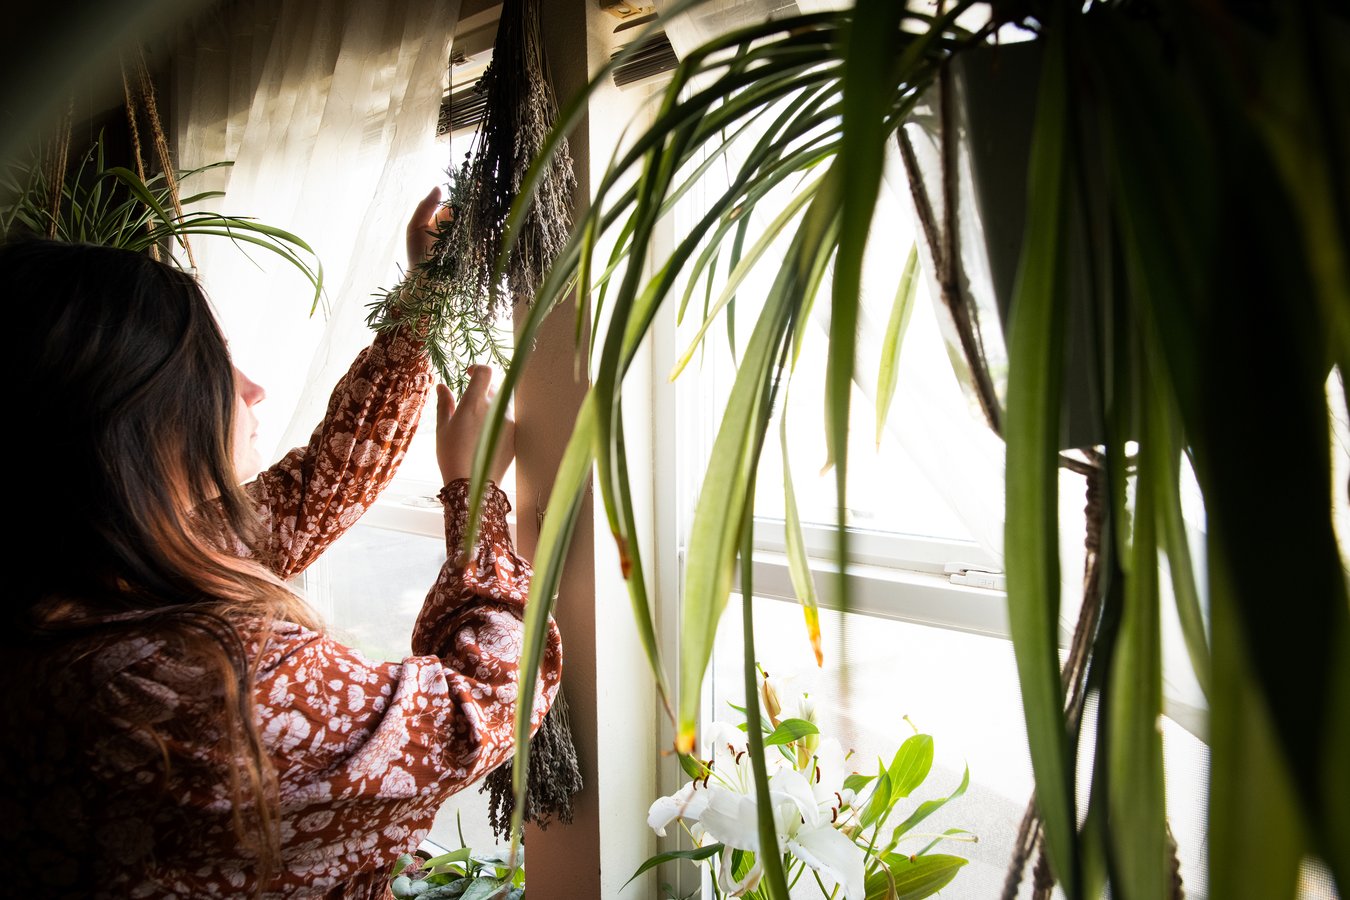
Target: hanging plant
[{"x": 1192, "y": 154}]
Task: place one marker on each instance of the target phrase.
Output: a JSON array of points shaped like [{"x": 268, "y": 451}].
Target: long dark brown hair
[{"x": 132, "y": 521}]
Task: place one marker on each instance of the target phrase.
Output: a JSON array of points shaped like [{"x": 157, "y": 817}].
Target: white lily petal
[
  {"x": 729, "y": 817},
  {"x": 661, "y": 813},
  {"x": 791, "y": 787},
  {"x": 835, "y": 857},
  {"x": 727, "y": 742},
  {"x": 687, "y": 803}
]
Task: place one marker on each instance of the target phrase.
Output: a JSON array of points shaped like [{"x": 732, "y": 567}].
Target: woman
[{"x": 179, "y": 723}]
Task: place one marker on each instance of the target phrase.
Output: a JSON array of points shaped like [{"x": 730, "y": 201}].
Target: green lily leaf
[
  {"x": 911, "y": 765},
  {"x": 790, "y": 730},
  {"x": 698, "y": 854}
]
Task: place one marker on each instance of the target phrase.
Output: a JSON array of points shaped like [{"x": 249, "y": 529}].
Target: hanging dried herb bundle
[
  {"x": 554, "y": 776},
  {"x": 459, "y": 328},
  {"x": 454, "y": 299},
  {"x": 520, "y": 112}
]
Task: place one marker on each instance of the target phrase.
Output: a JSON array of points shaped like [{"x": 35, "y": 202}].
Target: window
[{"x": 926, "y": 633}]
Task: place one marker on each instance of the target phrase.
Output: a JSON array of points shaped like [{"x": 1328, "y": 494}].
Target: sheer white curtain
[{"x": 328, "y": 110}]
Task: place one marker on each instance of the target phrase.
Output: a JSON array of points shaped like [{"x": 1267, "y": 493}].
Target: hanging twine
[
  {"x": 136, "y": 153},
  {"x": 944, "y": 244},
  {"x": 1174, "y": 862},
  {"x": 1043, "y": 880}
]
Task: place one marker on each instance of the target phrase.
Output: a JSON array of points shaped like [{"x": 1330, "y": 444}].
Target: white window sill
[{"x": 414, "y": 509}]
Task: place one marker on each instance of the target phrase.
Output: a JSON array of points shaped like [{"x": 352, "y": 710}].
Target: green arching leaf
[
  {"x": 895, "y": 331},
  {"x": 766, "y": 152},
  {"x": 486, "y": 889},
  {"x": 790, "y": 730},
  {"x": 928, "y": 807},
  {"x": 635, "y": 578},
  {"x": 723, "y": 498},
  {"x": 1166, "y": 443},
  {"x": 856, "y": 782},
  {"x": 1134, "y": 704},
  {"x": 881, "y": 800},
  {"x": 747, "y": 263},
  {"x": 921, "y": 876},
  {"x": 774, "y": 877},
  {"x": 1093, "y": 844},
  {"x": 1031, "y": 429},
  {"x": 717, "y": 515},
  {"x": 138, "y": 188},
  {"x": 698, "y": 854},
  {"x": 870, "y": 46},
  {"x": 1301, "y": 114},
  {"x": 949, "y": 833},
  {"x": 799, "y": 569},
  {"x": 463, "y": 854},
  {"x": 911, "y": 765},
  {"x": 571, "y": 112},
  {"x": 737, "y": 249},
  {"x": 1261, "y": 824}
]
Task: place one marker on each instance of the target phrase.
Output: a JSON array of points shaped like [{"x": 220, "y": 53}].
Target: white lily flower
[
  {"x": 794, "y": 800},
  {"x": 805, "y": 805},
  {"x": 835, "y": 857},
  {"x": 730, "y": 817}
]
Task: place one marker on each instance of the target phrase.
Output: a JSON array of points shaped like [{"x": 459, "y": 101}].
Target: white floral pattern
[{"x": 365, "y": 752}]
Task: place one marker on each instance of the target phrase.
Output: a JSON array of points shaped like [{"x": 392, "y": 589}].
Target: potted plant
[{"x": 101, "y": 203}]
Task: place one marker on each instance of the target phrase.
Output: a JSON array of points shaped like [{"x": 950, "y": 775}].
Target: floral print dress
[{"x": 364, "y": 752}]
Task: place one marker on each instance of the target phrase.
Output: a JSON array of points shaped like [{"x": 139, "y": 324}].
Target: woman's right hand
[{"x": 458, "y": 426}]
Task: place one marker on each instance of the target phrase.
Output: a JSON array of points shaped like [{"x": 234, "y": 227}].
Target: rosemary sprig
[{"x": 449, "y": 313}]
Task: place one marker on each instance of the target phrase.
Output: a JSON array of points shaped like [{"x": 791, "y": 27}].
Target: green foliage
[
  {"x": 113, "y": 207},
  {"x": 458, "y": 875},
  {"x": 1189, "y": 157}
]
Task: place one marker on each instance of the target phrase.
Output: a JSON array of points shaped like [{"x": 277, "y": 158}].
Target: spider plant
[
  {"x": 1191, "y": 155},
  {"x": 113, "y": 206}
]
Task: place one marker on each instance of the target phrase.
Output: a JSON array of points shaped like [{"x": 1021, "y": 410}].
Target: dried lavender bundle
[{"x": 520, "y": 113}]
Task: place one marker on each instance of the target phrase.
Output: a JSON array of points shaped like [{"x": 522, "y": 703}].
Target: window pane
[
  {"x": 960, "y": 688},
  {"x": 886, "y": 490}
]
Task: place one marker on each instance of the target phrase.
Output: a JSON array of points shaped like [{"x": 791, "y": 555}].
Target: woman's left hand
[
  {"x": 422, "y": 227},
  {"x": 458, "y": 426}
]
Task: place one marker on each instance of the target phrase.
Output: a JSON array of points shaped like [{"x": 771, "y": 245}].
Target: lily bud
[
  {"x": 808, "y": 744},
  {"x": 768, "y": 698}
]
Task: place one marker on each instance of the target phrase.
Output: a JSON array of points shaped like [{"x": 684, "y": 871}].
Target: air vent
[{"x": 654, "y": 56}]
